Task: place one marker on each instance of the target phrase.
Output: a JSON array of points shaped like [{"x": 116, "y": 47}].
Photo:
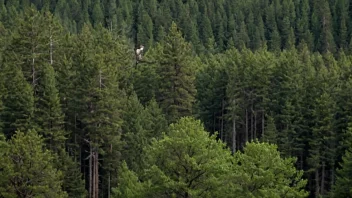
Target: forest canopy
[{"x": 230, "y": 99}]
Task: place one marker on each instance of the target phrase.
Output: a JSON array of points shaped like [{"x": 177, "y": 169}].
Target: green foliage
[
  {"x": 97, "y": 14},
  {"x": 48, "y": 112},
  {"x": 211, "y": 89},
  {"x": 28, "y": 169},
  {"x": 18, "y": 102},
  {"x": 192, "y": 163},
  {"x": 195, "y": 164},
  {"x": 145, "y": 30},
  {"x": 176, "y": 69},
  {"x": 263, "y": 173},
  {"x": 141, "y": 125},
  {"x": 129, "y": 184},
  {"x": 343, "y": 187},
  {"x": 77, "y": 90},
  {"x": 73, "y": 184},
  {"x": 270, "y": 135}
]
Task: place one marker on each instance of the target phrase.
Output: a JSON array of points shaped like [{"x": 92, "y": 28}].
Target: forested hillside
[
  {"x": 215, "y": 25},
  {"x": 232, "y": 98}
]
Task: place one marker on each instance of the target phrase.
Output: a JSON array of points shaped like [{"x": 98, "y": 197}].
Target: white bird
[{"x": 139, "y": 52}]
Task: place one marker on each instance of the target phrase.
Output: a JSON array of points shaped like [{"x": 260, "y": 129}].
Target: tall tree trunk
[
  {"x": 301, "y": 159},
  {"x": 317, "y": 188},
  {"x": 90, "y": 173},
  {"x": 263, "y": 123},
  {"x": 234, "y": 129},
  {"x": 322, "y": 186},
  {"x": 246, "y": 136},
  {"x": 214, "y": 121},
  {"x": 222, "y": 120},
  {"x": 252, "y": 123},
  {"x": 94, "y": 184},
  {"x": 332, "y": 172},
  {"x": 255, "y": 125},
  {"x": 109, "y": 184},
  {"x": 33, "y": 74},
  {"x": 96, "y": 165},
  {"x": 51, "y": 49}
]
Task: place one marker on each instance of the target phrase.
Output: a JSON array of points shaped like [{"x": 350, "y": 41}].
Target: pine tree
[
  {"x": 97, "y": 14},
  {"x": 243, "y": 37},
  {"x": 3, "y": 11},
  {"x": 18, "y": 101},
  {"x": 270, "y": 135},
  {"x": 188, "y": 166},
  {"x": 130, "y": 186},
  {"x": 303, "y": 30},
  {"x": 176, "y": 89},
  {"x": 145, "y": 30},
  {"x": 343, "y": 187},
  {"x": 257, "y": 174},
  {"x": 206, "y": 31},
  {"x": 323, "y": 27},
  {"x": 48, "y": 115},
  {"x": 30, "y": 46},
  {"x": 98, "y": 112},
  {"x": 211, "y": 89},
  {"x": 28, "y": 168},
  {"x": 342, "y": 18}
]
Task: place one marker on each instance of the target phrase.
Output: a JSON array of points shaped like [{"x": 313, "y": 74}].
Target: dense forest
[{"x": 232, "y": 98}]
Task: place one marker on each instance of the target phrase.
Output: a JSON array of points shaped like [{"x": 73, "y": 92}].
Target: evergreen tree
[
  {"x": 270, "y": 135},
  {"x": 18, "y": 102},
  {"x": 99, "y": 110},
  {"x": 243, "y": 37},
  {"x": 188, "y": 166},
  {"x": 130, "y": 186},
  {"x": 176, "y": 89},
  {"x": 303, "y": 30},
  {"x": 263, "y": 173},
  {"x": 28, "y": 168},
  {"x": 323, "y": 27},
  {"x": 48, "y": 114},
  {"x": 343, "y": 187},
  {"x": 211, "y": 89},
  {"x": 206, "y": 31},
  {"x": 97, "y": 14},
  {"x": 145, "y": 31}
]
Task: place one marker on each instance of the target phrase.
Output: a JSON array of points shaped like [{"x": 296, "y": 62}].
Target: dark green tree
[
  {"x": 176, "y": 69},
  {"x": 48, "y": 115},
  {"x": 18, "y": 101},
  {"x": 97, "y": 14},
  {"x": 343, "y": 187},
  {"x": 28, "y": 168},
  {"x": 263, "y": 173}
]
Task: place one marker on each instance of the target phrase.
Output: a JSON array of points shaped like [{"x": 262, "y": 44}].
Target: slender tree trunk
[
  {"x": 90, "y": 173},
  {"x": 263, "y": 123},
  {"x": 51, "y": 49},
  {"x": 246, "y": 136},
  {"x": 301, "y": 160},
  {"x": 109, "y": 183},
  {"x": 332, "y": 172},
  {"x": 255, "y": 125},
  {"x": 214, "y": 121},
  {"x": 222, "y": 120},
  {"x": 33, "y": 73},
  {"x": 322, "y": 186},
  {"x": 317, "y": 188},
  {"x": 96, "y": 165},
  {"x": 100, "y": 79},
  {"x": 234, "y": 129},
  {"x": 252, "y": 123}
]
